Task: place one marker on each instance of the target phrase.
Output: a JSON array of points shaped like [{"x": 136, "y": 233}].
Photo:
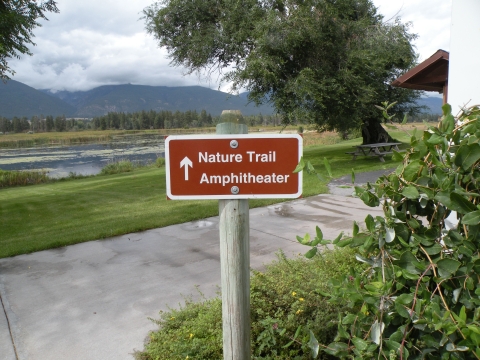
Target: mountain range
[
  {"x": 18, "y": 99},
  {"x": 433, "y": 105}
]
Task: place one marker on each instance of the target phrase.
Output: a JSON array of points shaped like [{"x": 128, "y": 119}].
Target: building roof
[{"x": 430, "y": 75}]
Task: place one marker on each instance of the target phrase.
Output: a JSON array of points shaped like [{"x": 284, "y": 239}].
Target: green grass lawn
[{"x": 39, "y": 217}]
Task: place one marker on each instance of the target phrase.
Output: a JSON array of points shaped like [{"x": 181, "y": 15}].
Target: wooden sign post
[
  {"x": 235, "y": 267},
  {"x": 233, "y": 167}
]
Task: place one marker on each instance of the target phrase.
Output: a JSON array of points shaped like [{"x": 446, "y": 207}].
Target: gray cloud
[
  {"x": 92, "y": 43},
  {"x": 430, "y": 21},
  {"x": 102, "y": 42}
]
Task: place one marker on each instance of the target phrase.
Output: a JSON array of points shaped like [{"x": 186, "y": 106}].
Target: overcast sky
[{"x": 103, "y": 42}]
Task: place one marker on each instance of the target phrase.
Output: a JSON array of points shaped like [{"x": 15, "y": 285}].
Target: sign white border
[{"x": 232, "y": 137}]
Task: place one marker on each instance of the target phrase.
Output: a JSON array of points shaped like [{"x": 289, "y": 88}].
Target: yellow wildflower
[
  {"x": 299, "y": 312},
  {"x": 294, "y": 293},
  {"x": 301, "y": 299},
  {"x": 191, "y": 335}
]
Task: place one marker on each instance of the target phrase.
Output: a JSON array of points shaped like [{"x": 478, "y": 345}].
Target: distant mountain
[
  {"x": 433, "y": 104},
  {"x": 244, "y": 95},
  {"x": 17, "y": 99},
  {"x": 131, "y": 98}
]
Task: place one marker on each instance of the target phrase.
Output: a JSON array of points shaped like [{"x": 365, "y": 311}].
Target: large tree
[
  {"x": 18, "y": 18},
  {"x": 328, "y": 61}
]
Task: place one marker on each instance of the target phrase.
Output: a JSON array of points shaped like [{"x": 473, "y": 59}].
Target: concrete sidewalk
[{"x": 93, "y": 300}]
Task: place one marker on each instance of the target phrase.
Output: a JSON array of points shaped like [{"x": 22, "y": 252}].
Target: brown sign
[{"x": 233, "y": 166}]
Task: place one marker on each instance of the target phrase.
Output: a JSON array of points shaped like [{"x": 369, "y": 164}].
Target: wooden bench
[
  {"x": 354, "y": 153},
  {"x": 381, "y": 155},
  {"x": 379, "y": 150}
]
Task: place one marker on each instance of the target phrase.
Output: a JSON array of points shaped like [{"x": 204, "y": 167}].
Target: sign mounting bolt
[
  {"x": 234, "y": 144},
  {"x": 235, "y": 190}
]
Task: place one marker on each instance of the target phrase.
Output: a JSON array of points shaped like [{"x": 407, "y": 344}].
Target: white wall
[{"x": 464, "y": 63}]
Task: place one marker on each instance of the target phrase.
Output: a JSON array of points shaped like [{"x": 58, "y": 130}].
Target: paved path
[
  {"x": 93, "y": 300},
  {"x": 343, "y": 186}
]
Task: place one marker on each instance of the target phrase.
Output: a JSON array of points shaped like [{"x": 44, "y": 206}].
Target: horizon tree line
[
  {"x": 143, "y": 120},
  {"x": 42, "y": 124},
  {"x": 173, "y": 120}
]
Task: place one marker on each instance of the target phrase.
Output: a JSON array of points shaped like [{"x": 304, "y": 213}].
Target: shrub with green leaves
[
  {"x": 283, "y": 297},
  {"x": 195, "y": 330},
  {"x": 420, "y": 296},
  {"x": 287, "y": 303}
]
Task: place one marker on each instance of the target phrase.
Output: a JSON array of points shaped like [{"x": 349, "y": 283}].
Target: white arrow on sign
[{"x": 186, "y": 162}]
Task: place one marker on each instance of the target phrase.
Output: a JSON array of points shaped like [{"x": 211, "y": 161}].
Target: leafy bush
[
  {"x": 287, "y": 294},
  {"x": 195, "y": 330},
  {"x": 420, "y": 296},
  {"x": 160, "y": 162},
  {"x": 287, "y": 300}
]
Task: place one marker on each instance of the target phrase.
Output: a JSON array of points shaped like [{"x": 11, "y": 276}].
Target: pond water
[{"x": 87, "y": 159}]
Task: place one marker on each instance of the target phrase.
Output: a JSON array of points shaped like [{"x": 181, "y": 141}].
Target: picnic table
[{"x": 379, "y": 150}]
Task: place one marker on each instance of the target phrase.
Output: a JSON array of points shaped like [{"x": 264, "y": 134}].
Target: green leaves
[
  {"x": 461, "y": 204},
  {"x": 472, "y": 218},
  {"x": 455, "y": 202},
  {"x": 409, "y": 262},
  {"x": 327, "y": 167},
  {"x": 319, "y": 240},
  {"x": 412, "y": 171},
  {"x": 367, "y": 197},
  {"x": 311, "y": 253},
  {"x": 360, "y": 344},
  {"x": 404, "y": 299},
  {"x": 420, "y": 262},
  {"x": 305, "y": 240},
  {"x": 300, "y": 166},
  {"x": 446, "y": 109},
  {"x": 370, "y": 222},
  {"x": 410, "y": 192},
  {"x": 467, "y": 155},
  {"x": 447, "y": 124},
  {"x": 447, "y": 267},
  {"x": 338, "y": 349},
  {"x": 436, "y": 139}
]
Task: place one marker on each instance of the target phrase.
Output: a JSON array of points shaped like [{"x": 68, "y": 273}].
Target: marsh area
[{"x": 83, "y": 159}]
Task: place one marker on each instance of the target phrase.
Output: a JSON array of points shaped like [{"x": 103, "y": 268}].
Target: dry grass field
[{"x": 311, "y": 137}]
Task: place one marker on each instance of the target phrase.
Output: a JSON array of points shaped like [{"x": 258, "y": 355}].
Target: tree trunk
[{"x": 374, "y": 133}]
